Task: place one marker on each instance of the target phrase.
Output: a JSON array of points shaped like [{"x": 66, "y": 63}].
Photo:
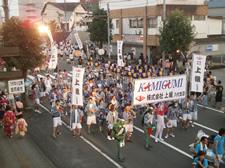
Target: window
[
  {"x": 140, "y": 23},
  {"x": 136, "y": 23},
  {"x": 152, "y": 22},
  {"x": 133, "y": 23},
  {"x": 199, "y": 17},
  {"x": 117, "y": 24}
]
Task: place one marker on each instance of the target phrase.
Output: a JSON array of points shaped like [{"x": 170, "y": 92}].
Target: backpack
[
  {"x": 21, "y": 126},
  {"x": 17, "y": 108}
]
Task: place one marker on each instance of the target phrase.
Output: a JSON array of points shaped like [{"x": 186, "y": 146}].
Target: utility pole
[
  {"x": 163, "y": 54},
  {"x": 65, "y": 15},
  {"x": 6, "y": 9},
  {"x": 146, "y": 31},
  {"x": 108, "y": 20}
]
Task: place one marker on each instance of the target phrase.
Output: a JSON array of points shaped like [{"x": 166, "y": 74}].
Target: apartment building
[
  {"x": 137, "y": 22},
  {"x": 31, "y": 9}
]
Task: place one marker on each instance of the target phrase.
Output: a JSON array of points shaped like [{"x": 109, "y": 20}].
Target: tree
[
  {"x": 98, "y": 28},
  {"x": 22, "y": 34},
  {"x": 176, "y": 34},
  {"x": 52, "y": 26}
]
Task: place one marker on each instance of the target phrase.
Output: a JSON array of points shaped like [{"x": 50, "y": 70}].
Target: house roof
[
  {"x": 63, "y": 6},
  {"x": 216, "y": 4}
]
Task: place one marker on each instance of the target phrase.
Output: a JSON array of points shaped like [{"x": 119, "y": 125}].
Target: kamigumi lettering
[{"x": 161, "y": 85}]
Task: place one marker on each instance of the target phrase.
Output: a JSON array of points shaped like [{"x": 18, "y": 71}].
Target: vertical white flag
[
  {"x": 77, "y": 86},
  {"x": 197, "y": 75},
  {"x": 119, "y": 53},
  {"x": 77, "y": 37},
  {"x": 54, "y": 58}
]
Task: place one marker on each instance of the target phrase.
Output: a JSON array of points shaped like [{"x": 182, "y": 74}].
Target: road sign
[
  {"x": 27, "y": 83},
  {"x": 16, "y": 86}
]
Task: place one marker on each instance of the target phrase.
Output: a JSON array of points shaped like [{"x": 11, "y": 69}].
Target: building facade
[
  {"x": 31, "y": 9},
  {"x": 68, "y": 15},
  {"x": 137, "y": 24},
  {"x": 217, "y": 9}
]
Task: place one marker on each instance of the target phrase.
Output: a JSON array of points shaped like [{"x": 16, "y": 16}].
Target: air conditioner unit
[{"x": 140, "y": 32}]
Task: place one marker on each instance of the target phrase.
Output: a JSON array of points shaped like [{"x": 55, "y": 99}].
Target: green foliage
[
  {"x": 177, "y": 33},
  {"x": 99, "y": 27},
  {"x": 52, "y": 26},
  {"x": 22, "y": 34}
]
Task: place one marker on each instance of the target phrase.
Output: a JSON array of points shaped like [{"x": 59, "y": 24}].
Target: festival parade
[{"x": 112, "y": 83}]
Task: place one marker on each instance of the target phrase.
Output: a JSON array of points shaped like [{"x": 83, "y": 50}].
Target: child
[
  {"x": 205, "y": 100},
  {"x": 21, "y": 126},
  {"x": 200, "y": 161}
]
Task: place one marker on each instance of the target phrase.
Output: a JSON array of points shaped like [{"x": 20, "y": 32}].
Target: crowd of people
[
  {"x": 11, "y": 115},
  {"x": 107, "y": 95},
  {"x": 108, "y": 102}
]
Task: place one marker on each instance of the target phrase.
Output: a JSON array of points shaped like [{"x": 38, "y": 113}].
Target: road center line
[
  {"x": 167, "y": 144},
  {"x": 211, "y": 108},
  {"x": 88, "y": 142}
]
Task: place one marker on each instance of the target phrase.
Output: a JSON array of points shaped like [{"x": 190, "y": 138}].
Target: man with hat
[
  {"x": 172, "y": 115},
  {"x": 149, "y": 124},
  {"x": 118, "y": 133}
]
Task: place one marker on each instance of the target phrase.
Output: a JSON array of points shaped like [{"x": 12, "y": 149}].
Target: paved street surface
[{"x": 41, "y": 150}]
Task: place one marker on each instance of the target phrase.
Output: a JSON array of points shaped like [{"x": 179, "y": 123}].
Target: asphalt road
[{"x": 96, "y": 151}]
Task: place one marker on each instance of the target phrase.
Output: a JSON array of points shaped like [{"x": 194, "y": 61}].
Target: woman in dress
[{"x": 9, "y": 119}]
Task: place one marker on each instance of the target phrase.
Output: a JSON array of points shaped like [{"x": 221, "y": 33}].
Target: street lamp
[{"x": 43, "y": 29}]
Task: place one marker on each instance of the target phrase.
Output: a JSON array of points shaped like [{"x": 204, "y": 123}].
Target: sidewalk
[{"x": 21, "y": 153}]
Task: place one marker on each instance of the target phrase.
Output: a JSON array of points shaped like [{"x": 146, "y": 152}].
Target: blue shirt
[
  {"x": 219, "y": 146},
  {"x": 198, "y": 148},
  {"x": 205, "y": 162}
]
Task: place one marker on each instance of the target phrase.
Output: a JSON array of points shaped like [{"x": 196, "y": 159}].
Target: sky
[{"x": 13, "y": 6}]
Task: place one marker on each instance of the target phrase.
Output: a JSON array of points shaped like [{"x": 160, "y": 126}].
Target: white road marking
[
  {"x": 88, "y": 142},
  {"x": 31, "y": 77},
  {"x": 103, "y": 154},
  {"x": 51, "y": 76},
  {"x": 211, "y": 108},
  {"x": 167, "y": 144},
  {"x": 200, "y": 125},
  {"x": 41, "y": 76}
]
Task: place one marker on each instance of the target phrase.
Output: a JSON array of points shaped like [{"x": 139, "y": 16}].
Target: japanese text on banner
[
  {"x": 197, "y": 75},
  {"x": 77, "y": 37},
  {"x": 77, "y": 86},
  {"x": 16, "y": 86},
  {"x": 159, "y": 89},
  {"x": 54, "y": 58},
  {"x": 119, "y": 53}
]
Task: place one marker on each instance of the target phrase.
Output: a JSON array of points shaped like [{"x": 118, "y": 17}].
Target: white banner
[
  {"x": 77, "y": 86},
  {"x": 133, "y": 50},
  {"x": 197, "y": 75},
  {"x": 119, "y": 53},
  {"x": 159, "y": 89},
  {"x": 111, "y": 48},
  {"x": 16, "y": 86},
  {"x": 54, "y": 58},
  {"x": 77, "y": 37}
]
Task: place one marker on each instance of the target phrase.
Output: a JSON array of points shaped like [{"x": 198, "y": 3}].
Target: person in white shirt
[{"x": 48, "y": 84}]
